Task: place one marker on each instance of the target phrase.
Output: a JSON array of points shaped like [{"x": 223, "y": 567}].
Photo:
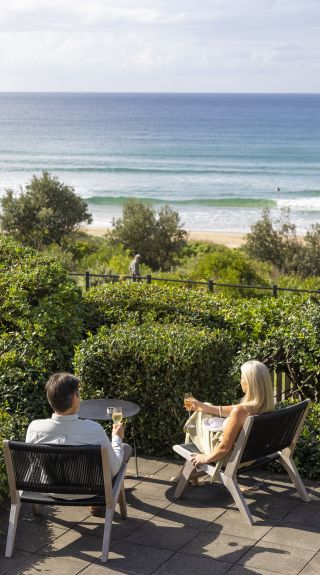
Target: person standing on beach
[{"x": 134, "y": 267}]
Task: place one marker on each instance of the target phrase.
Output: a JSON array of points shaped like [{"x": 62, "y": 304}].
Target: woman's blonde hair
[{"x": 259, "y": 394}]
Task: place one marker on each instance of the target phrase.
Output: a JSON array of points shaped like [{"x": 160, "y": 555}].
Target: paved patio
[{"x": 203, "y": 532}]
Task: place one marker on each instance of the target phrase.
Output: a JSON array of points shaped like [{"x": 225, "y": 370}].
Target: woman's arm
[
  {"x": 212, "y": 409},
  {"x": 226, "y": 442}
]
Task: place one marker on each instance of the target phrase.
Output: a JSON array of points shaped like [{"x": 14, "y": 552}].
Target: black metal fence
[{"x": 210, "y": 285}]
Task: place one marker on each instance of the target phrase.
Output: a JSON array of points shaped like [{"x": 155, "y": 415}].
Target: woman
[{"x": 257, "y": 386}]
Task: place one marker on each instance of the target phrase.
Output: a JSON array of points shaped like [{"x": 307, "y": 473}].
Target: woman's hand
[
  {"x": 198, "y": 458},
  {"x": 196, "y": 405}
]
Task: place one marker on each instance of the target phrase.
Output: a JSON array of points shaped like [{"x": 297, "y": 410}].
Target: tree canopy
[
  {"x": 157, "y": 236},
  {"x": 46, "y": 211},
  {"x": 277, "y": 242}
]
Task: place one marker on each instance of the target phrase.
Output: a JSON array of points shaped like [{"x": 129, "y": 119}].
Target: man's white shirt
[{"x": 70, "y": 430}]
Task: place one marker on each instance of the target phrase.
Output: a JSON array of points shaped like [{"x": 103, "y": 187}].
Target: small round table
[{"x": 96, "y": 409}]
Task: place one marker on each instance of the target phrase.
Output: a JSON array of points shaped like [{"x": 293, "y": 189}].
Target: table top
[{"x": 97, "y": 408}]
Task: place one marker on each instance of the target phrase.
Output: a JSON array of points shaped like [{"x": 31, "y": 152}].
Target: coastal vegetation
[
  {"x": 159, "y": 236},
  {"x": 45, "y": 212},
  {"x": 150, "y": 343},
  {"x": 146, "y": 342}
]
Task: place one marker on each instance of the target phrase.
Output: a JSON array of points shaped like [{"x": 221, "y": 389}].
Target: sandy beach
[{"x": 229, "y": 239}]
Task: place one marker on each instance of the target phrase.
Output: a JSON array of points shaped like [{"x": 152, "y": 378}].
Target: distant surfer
[{"x": 277, "y": 189}]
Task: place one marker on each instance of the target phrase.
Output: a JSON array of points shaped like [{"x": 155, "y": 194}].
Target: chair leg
[
  {"x": 106, "y": 535},
  {"x": 122, "y": 503},
  {"x": 187, "y": 470},
  {"x": 234, "y": 489},
  {"x": 13, "y": 521},
  {"x": 287, "y": 462}
]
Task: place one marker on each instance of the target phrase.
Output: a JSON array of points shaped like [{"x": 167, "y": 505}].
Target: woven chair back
[{"x": 57, "y": 468}]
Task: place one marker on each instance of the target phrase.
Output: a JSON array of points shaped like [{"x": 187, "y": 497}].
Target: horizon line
[{"x": 218, "y": 93}]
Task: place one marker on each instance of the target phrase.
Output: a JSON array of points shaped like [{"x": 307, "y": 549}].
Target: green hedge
[
  {"x": 138, "y": 302},
  {"x": 153, "y": 365},
  {"x": 40, "y": 323},
  {"x": 11, "y": 427}
]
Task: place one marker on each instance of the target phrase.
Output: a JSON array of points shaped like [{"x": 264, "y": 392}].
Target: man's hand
[{"x": 117, "y": 429}]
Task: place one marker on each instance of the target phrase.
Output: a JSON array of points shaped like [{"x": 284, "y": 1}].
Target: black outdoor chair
[
  {"x": 263, "y": 438},
  {"x": 35, "y": 472}
]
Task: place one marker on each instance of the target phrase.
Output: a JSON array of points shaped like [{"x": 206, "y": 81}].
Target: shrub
[
  {"x": 10, "y": 428},
  {"x": 109, "y": 304},
  {"x": 46, "y": 212},
  {"x": 153, "y": 365},
  {"x": 41, "y": 321},
  {"x": 158, "y": 237},
  {"x": 227, "y": 265}
]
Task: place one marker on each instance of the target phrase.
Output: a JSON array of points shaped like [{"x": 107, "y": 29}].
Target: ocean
[{"x": 217, "y": 159}]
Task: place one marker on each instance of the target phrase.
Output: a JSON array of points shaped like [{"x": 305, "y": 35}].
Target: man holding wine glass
[{"x": 65, "y": 428}]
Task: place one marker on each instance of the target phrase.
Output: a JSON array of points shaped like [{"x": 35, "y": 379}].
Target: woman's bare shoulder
[{"x": 239, "y": 411}]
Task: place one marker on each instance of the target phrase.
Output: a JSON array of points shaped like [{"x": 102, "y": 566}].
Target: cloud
[{"x": 137, "y": 44}]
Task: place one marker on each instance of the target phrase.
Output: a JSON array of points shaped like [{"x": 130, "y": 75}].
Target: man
[
  {"x": 66, "y": 428},
  {"x": 134, "y": 266}
]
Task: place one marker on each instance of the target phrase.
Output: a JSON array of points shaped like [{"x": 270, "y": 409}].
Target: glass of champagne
[
  {"x": 188, "y": 400},
  {"x": 117, "y": 414}
]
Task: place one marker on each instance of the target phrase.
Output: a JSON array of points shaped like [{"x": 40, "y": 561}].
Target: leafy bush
[
  {"x": 277, "y": 242},
  {"x": 158, "y": 237},
  {"x": 285, "y": 334},
  {"x": 41, "y": 321},
  {"x": 10, "y": 428},
  {"x": 307, "y": 454},
  {"x": 46, "y": 212},
  {"x": 226, "y": 265},
  {"x": 109, "y": 304},
  {"x": 153, "y": 365}
]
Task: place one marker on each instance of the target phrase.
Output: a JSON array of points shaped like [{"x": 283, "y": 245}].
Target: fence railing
[
  {"x": 211, "y": 285},
  {"x": 283, "y": 387}
]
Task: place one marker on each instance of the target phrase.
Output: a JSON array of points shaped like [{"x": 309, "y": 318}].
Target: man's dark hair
[{"x": 61, "y": 387}]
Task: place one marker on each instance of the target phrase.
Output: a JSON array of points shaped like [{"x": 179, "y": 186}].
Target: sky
[{"x": 160, "y": 45}]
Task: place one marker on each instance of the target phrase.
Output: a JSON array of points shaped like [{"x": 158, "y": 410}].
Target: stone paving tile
[
  {"x": 181, "y": 563},
  {"x": 190, "y": 515},
  {"x": 295, "y": 535},
  {"x": 79, "y": 546},
  {"x": 169, "y": 471},
  {"x": 120, "y": 528},
  {"x": 146, "y": 467},
  {"x": 11, "y": 563},
  {"x": 313, "y": 568},
  {"x": 158, "y": 488},
  {"x": 145, "y": 502},
  {"x": 232, "y": 523},
  {"x": 278, "y": 558},
  {"x": 163, "y": 534},
  {"x": 226, "y": 548},
  {"x": 240, "y": 570},
  {"x": 129, "y": 482},
  {"x": 306, "y": 514},
  {"x": 267, "y": 507},
  {"x": 64, "y": 517},
  {"x": 49, "y": 565},
  {"x": 130, "y": 558},
  {"x": 31, "y": 537},
  {"x": 209, "y": 495}
]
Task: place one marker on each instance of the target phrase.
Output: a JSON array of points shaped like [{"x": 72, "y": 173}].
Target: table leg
[{"x": 135, "y": 450}]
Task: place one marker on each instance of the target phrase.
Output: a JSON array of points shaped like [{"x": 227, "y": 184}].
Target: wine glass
[
  {"x": 188, "y": 401},
  {"x": 117, "y": 414}
]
